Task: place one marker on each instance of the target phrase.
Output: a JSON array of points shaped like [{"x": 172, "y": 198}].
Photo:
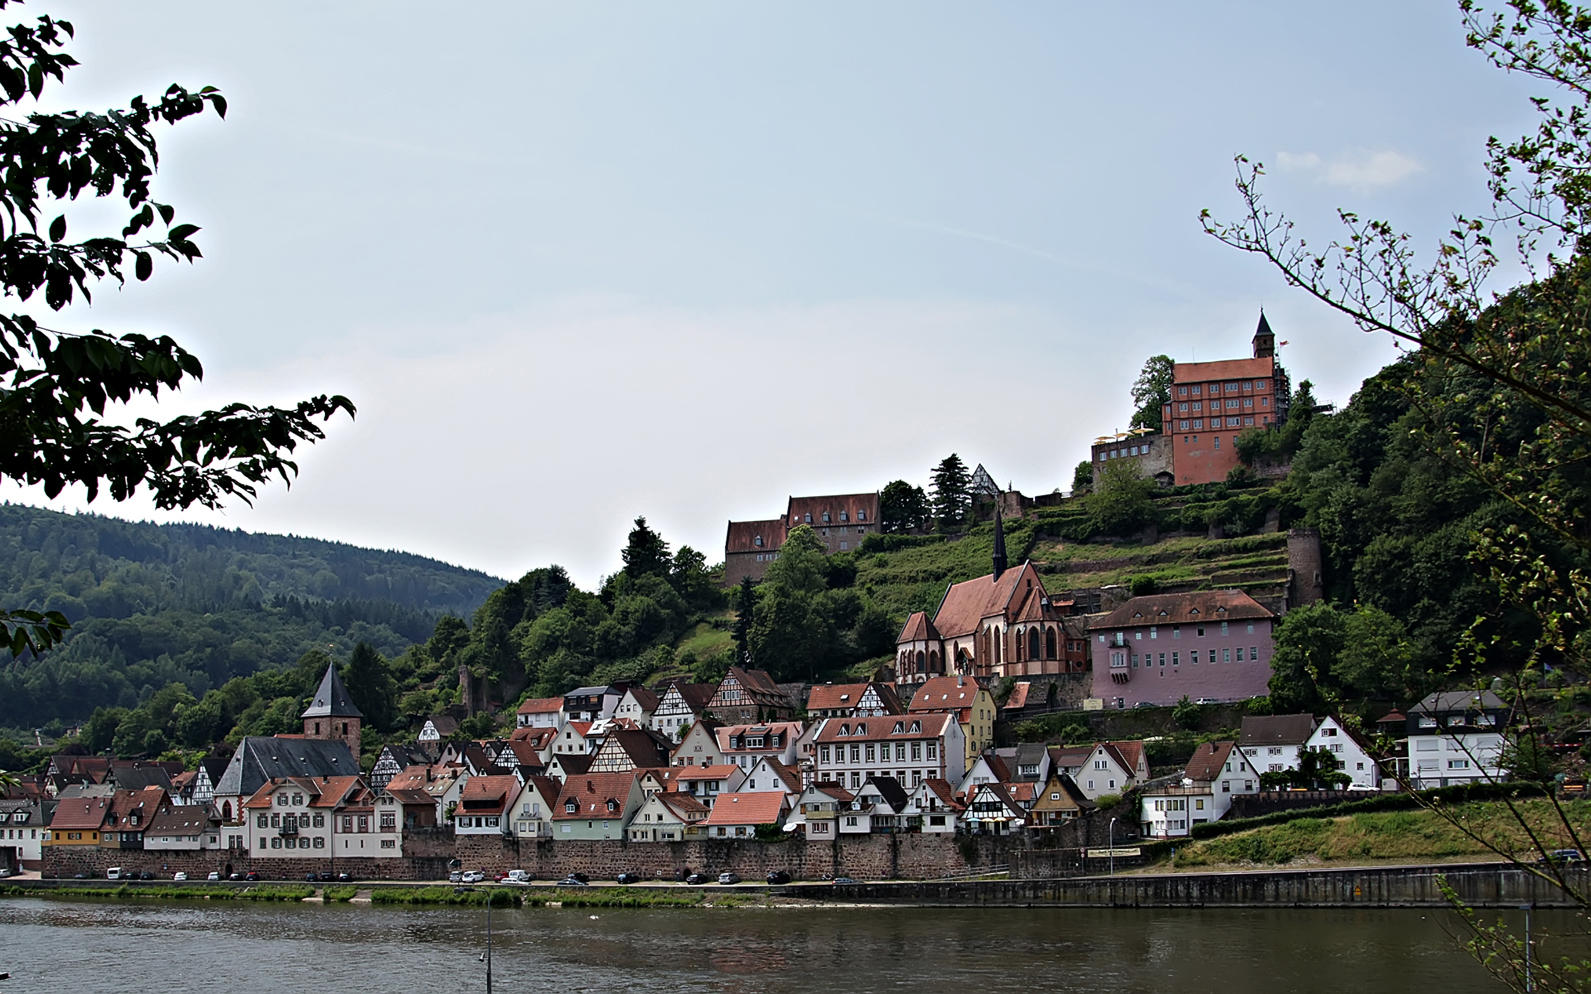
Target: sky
[{"x": 580, "y": 262}]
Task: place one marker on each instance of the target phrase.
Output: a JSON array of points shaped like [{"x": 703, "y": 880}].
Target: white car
[
  {"x": 214, "y": 875},
  {"x": 179, "y": 875},
  {"x": 472, "y": 877}
]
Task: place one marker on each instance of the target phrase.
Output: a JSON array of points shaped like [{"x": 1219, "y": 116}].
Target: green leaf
[
  {"x": 144, "y": 266},
  {"x": 58, "y": 228},
  {"x": 183, "y": 232}
]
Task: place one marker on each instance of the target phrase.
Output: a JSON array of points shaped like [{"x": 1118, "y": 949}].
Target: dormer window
[
  {"x": 844, "y": 516},
  {"x": 807, "y": 518},
  {"x": 825, "y": 517},
  {"x": 757, "y": 541},
  {"x": 571, "y": 806},
  {"x": 917, "y": 726},
  {"x": 861, "y": 515},
  {"x": 898, "y": 728},
  {"x": 612, "y": 804}
]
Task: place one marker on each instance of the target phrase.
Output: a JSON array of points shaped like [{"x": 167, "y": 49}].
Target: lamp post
[{"x": 1112, "y": 850}]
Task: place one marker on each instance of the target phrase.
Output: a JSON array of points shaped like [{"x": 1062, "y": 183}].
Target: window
[
  {"x": 1174, "y": 659},
  {"x": 1217, "y": 443},
  {"x": 1226, "y": 655},
  {"x": 1193, "y": 657}
]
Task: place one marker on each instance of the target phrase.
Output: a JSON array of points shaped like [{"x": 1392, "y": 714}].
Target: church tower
[
  {"x": 1264, "y": 339},
  {"x": 332, "y": 714}
]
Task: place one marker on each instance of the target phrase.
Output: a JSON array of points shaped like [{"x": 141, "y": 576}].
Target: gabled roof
[
  {"x": 719, "y": 771},
  {"x": 1131, "y": 752},
  {"x": 1069, "y": 757},
  {"x": 685, "y": 807},
  {"x": 260, "y": 758},
  {"x": 1071, "y": 795},
  {"x": 488, "y": 795},
  {"x": 1224, "y": 369},
  {"x": 80, "y": 814},
  {"x": 918, "y": 628},
  {"x": 643, "y": 747},
  {"x": 541, "y": 705},
  {"x": 757, "y": 685},
  {"x": 592, "y": 793},
  {"x": 890, "y": 790},
  {"x": 136, "y": 774},
  {"x": 693, "y": 695},
  {"x": 1276, "y": 729},
  {"x": 791, "y": 730},
  {"x": 742, "y": 536},
  {"x": 764, "y": 807},
  {"x": 787, "y": 774},
  {"x": 857, "y": 508},
  {"x": 1192, "y": 608},
  {"x": 1019, "y": 696},
  {"x": 848, "y": 696},
  {"x": 884, "y": 727},
  {"x": 944, "y": 791},
  {"x": 1209, "y": 761},
  {"x": 181, "y": 819},
  {"x": 575, "y": 764},
  {"x": 645, "y": 699},
  {"x": 537, "y": 738},
  {"x": 944, "y": 693},
  {"x": 134, "y": 808},
  {"x": 967, "y": 603},
  {"x": 1458, "y": 700},
  {"x": 331, "y": 698}
]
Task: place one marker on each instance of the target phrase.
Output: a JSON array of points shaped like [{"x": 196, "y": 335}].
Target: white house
[
  {"x": 541, "y": 712},
  {"x": 486, "y": 806},
  {"x": 1351, "y": 755},
  {"x": 705, "y": 783},
  {"x": 744, "y": 745},
  {"x": 1456, "y": 737},
  {"x": 668, "y": 817},
  {"x": 910, "y": 747},
  {"x": 932, "y": 806},
  {"x": 698, "y": 746},
  {"x": 1217, "y": 772}
]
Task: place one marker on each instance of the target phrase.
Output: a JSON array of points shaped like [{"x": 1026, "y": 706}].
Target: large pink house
[{"x": 1210, "y": 644}]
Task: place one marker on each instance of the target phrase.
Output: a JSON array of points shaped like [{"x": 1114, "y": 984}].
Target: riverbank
[{"x": 1497, "y": 885}]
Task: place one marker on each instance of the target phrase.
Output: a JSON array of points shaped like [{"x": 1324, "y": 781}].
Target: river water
[{"x": 91, "y": 946}]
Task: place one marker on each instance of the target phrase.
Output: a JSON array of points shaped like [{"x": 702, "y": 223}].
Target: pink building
[{"x": 1210, "y": 645}]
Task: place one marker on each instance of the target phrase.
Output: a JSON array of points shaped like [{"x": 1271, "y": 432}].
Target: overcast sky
[{"x": 583, "y": 261}]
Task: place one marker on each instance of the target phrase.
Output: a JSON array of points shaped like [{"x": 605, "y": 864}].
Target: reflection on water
[{"x": 98, "y": 946}]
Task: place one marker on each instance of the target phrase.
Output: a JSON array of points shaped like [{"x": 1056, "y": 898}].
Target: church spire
[
  {"x": 999, "y": 540},
  {"x": 1264, "y": 338}
]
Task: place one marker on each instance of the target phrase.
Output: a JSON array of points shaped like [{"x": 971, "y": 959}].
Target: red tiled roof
[
  {"x": 882, "y": 727},
  {"x": 834, "y": 696},
  {"x": 944, "y": 791},
  {"x": 1131, "y": 752},
  {"x": 969, "y": 602},
  {"x": 591, "y": 793},
  {"x": 686, "y": 807},
  {"x": 850, "y": 504},
  {"x": 487, "y": 795},
  {"x": 80, "y": 814},
  {"x": 918, "y": 629},
  {"x": 742, "y": 536},
  {"x": 1209, "y": 761},
  {"x": 1019, "y": 695},
  {"x": 1195, "y": 607},
  {"x": 541, "y": 705},
  {"x": 1224, "y": 369},
  {"x": 745, "y": 808},
  {"x": 720, "y": 771},
  {"x": 791, "y": 730},
  {"x": 944, "y": 693}
]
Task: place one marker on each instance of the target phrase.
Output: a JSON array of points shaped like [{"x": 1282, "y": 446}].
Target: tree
[
  {"x": 952, "y": 491},
  {"x": 745, "y": 605},
  {"x": 63, "y": 392},
  {"x": 1151, "y": 390},
  {"x": 1083, "y": 477},
  {"x": 1121, "y": 503},
  {"x": 902, "y": 507},
  {"x": 645, "y": 553},
  {"x": 1527, "y": 355},
  {"x": 370, "y": 686}
]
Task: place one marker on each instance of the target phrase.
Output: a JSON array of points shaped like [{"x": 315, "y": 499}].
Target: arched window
[
  {"x": 994, "y": 633},
  {"x": 920, "y": 659},
  {"x": 1033, "y": 643},
  {"x": 934, "y": 663},
  {"x": 1049, "y": 643},
  {"x": 226, "y": 810}
]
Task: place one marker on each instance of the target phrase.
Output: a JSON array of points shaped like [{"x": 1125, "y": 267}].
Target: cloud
[{"x": 1362, "y": 170}]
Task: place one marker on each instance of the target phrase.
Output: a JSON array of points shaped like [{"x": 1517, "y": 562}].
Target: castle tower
[
  {"x": 1264, "y": 339},
  {"x": 331, "y": 713}
]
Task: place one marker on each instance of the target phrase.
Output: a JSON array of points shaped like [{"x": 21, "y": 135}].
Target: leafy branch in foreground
[{"x": 59, "y": 389}]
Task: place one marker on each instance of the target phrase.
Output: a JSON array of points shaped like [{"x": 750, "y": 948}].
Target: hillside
[{"x": 156, "y": 604}]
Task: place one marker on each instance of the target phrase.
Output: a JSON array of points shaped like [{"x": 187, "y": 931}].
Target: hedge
[{"x": 1457, "y": 794}]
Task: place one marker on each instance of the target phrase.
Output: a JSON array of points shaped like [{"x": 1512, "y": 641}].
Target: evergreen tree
[
  {"x": 371, "y": 687},
  {"x": 645, "y": 554},
  {"x": 1151, "y": 390},
  {"x": 745, "y": 603},
  {"x": 902, "y": 507},
  {"x": 952, "y": 491}
]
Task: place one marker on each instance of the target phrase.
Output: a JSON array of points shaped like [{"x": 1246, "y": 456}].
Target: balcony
[{"x": 291, "y": 828}]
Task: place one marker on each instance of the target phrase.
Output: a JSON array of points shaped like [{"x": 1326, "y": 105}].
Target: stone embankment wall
[
  {"x": 891, "y": 857},
  {"x": 1485, "y": 886}
]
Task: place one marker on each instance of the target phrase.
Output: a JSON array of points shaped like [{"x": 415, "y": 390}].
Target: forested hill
[{"x": 155, "y": 604}]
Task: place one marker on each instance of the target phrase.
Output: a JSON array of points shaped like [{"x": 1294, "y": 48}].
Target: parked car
[
  {"x": 472, "y": 877},
  {"x": 235, "y": 876},
  {"x": 1206, "y": 700},
  {"x": 179, "y": 875},
  {"x": 728, "y": 878},
  {"x": 1563, "y": 856},
  {"x": 4, "y": 872},
  {"x": 518, "y": 877},
  {"x": 696, "y": 878},
  {"x": 252, "y": 875},
  {"x": 572, "y": 881},
  {"x": 582, "y": 877},
  {"x": 456, "y": 876},
  {"x": 214, "y": 875},
  {"x": 778, "y": 877},
  {"x": 311, "y": 877},
  {"x": 845, "y": 880},
  {"x": 147, "y": 875},
  {"x": 344, "y": 878},
  {"x": 628, "y": 878}
]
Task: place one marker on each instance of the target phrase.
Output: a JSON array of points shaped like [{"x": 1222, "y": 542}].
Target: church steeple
[
  {"x": 999, "y": 541},
  {"x": 332, "y": 714},
  {"x": 1264, "y": 339}
]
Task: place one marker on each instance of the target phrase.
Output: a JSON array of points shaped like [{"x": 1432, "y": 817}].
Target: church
[{"x": 998, "y": 625}]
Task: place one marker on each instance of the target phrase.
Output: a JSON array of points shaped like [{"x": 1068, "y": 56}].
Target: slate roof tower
[{"x": 332, "y": 714}]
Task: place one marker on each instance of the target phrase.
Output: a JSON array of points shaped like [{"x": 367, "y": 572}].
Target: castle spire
[
  {"x": 999, "y": 540},
  {"x": 1264, "y": 338}
]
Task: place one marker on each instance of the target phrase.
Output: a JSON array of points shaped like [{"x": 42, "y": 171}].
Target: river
[{"x": 90, "y": 946}]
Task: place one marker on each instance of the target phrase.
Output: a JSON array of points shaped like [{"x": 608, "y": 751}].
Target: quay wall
[{"x": 1480, "y": 886}]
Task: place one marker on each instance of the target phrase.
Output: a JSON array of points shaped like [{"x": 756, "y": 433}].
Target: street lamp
[{"x": 1112, "y": 839}]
